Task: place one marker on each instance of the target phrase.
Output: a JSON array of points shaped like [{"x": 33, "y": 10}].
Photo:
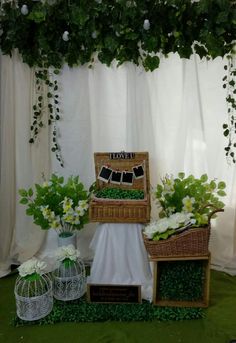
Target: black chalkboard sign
[{"x": 100, "y": 293}]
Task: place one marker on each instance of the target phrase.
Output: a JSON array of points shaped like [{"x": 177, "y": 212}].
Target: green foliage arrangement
[
  {"x": 184, "y": 202},
  {"x": 57, "y": 204},
  {"x": 190, "y": 195},
  {"x": 118, "y": 193}
]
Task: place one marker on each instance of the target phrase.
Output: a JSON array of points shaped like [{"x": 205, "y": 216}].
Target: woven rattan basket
[
  {"x": 122, "y": 211},
  {"x": 192, "y": 242}
]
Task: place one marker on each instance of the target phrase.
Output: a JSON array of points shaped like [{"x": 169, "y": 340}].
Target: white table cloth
[{"x": 120, "y": 257}]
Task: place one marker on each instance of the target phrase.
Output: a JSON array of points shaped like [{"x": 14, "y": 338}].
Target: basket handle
[{"x": 213, "y": 212}]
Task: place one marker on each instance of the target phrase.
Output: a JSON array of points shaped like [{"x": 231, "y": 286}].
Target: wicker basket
[
  {"x": 121, "y": 211},
  {"x": 191, "y": 242}
]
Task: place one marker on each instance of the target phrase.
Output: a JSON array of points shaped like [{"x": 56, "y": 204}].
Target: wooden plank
[{"x": 180, "y": 258}]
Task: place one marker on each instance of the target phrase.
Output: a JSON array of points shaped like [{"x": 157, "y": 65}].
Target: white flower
[
  {"x": 83, "y": 204},
  {"x": 188, "y": 204},
  {"x": 175, "y": 221},
  {"x": 32, "y": 266},
  {"x": 162, "y": 225},
  {"x": 94, "y": 34},
  {"x": 68, "y": 217},
  {"x": 67, "y": 252},
  {"x": 24, "y": 10},
  {"x": 67, "y": 204},
  {"x": 65, "y": 36},
  {"x": 55, "y": 224},
  {"x": 150, "y": 230},
  {"x": 146, "y": 24},
  {"x": 47, "y": 213},
  {"x": 168, "y": 183}
]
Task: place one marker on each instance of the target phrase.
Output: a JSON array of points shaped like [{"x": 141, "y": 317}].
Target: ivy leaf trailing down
[
  {"x": 51, "y": 109},
  {"x": 138, "y": 31},
  {"x": 229, "y": 129}
]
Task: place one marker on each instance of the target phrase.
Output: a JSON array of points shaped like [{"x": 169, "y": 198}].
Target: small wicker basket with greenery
[{"x": 121, "y": 202}]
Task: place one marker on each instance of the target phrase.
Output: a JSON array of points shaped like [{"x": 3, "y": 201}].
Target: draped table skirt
[{"x": 120, "y": 257}]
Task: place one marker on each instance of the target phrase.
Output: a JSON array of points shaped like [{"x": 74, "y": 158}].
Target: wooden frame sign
[{"x": 100, "y": 293}]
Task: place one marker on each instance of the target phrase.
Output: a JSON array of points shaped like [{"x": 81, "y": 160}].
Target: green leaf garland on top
[{"x": 117, "y": 30}]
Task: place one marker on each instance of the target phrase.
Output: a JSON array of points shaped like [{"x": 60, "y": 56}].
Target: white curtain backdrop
[
  {"x": 175, "y": 113},
  {"x": 21, "y": 164}
]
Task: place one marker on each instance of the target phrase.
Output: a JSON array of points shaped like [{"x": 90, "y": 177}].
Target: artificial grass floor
[{"x": 218, "y": 326}]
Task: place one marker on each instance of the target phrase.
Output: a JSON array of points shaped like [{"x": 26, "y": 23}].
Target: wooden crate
[
  {"x": 202, "y": 301},
  {"x": 120, "y": 210}
]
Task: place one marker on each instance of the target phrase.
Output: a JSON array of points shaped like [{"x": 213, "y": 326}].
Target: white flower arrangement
[
  {"x": 33, "y": 268},
  {"x": 167, "y": 226},
  {"x": 66, "y": 253}
]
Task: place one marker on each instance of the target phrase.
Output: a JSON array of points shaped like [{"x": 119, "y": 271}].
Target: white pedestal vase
[
  {"x": 66, "y": 240},
  {"x": 34, "y": 299},
  {"x": 69, "y": 282}
]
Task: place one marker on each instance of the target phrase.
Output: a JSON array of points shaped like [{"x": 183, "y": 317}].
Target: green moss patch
[
  {"x": 118, "y": 193},
  {"x": 81, "y": 311}
]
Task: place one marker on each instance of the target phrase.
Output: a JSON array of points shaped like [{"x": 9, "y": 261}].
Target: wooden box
[
  {"x": 200, "y": 283},
  {"x": 122, "y": 210}
]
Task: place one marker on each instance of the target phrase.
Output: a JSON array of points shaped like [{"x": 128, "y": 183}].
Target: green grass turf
[{"x": 218, "y": 326}]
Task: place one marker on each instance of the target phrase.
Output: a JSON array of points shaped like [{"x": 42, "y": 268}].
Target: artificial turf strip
[{"x": 81, "y": 311}]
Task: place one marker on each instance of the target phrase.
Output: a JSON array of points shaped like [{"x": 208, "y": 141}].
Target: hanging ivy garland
[
  {"x": 43, "y": 77},
  {"x": 51, "y": 33}
]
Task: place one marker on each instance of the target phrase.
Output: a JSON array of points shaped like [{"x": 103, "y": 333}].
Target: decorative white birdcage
[
  {"x": 69, "y": 280},
  {"x": 34, "y": 298}
]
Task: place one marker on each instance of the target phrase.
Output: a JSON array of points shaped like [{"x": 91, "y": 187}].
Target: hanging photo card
[
  {"x": 116, "y": 177},
  {"x": 138, "y": 172},
  {"x": 127, "y": 178},
  {"x": 105, "y": 174}
]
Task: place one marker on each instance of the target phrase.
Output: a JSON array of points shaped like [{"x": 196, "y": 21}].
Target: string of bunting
[{"x": 126, "y": 177}]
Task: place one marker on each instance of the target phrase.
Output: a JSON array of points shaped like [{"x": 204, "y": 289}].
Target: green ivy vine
[
  {"x": 230, "y": 127},
  {"x": 46, "y": 77},
  {"x": 49, "y": 33}
]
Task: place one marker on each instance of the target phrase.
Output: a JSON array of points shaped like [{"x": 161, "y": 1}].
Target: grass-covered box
[{"x": 122, "y": 188}]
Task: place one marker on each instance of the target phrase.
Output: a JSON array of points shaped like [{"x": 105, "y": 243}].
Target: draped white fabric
[
  {"x": 21, "y": 164},
  {"x": 175, "y": 113},
  {"x": 120, "y": 257}
]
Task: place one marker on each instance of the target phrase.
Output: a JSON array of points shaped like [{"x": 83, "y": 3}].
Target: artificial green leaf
[
  {"x": 23, "y": 192},
  {"x": 151, "y": 62},
  {"x": 204, "y": 178},
  {"x": 24, "y": 201},
  {"x": 221, "y": 193},
  {"x": 37, "y": 16},
  {"x": 213, "y": 185},
  {"x": 181, "y": 175},
  {"x": 221, "y": 185},
  {"x": 32, "y": 277},
  {"x": 30, "y": 192}
]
